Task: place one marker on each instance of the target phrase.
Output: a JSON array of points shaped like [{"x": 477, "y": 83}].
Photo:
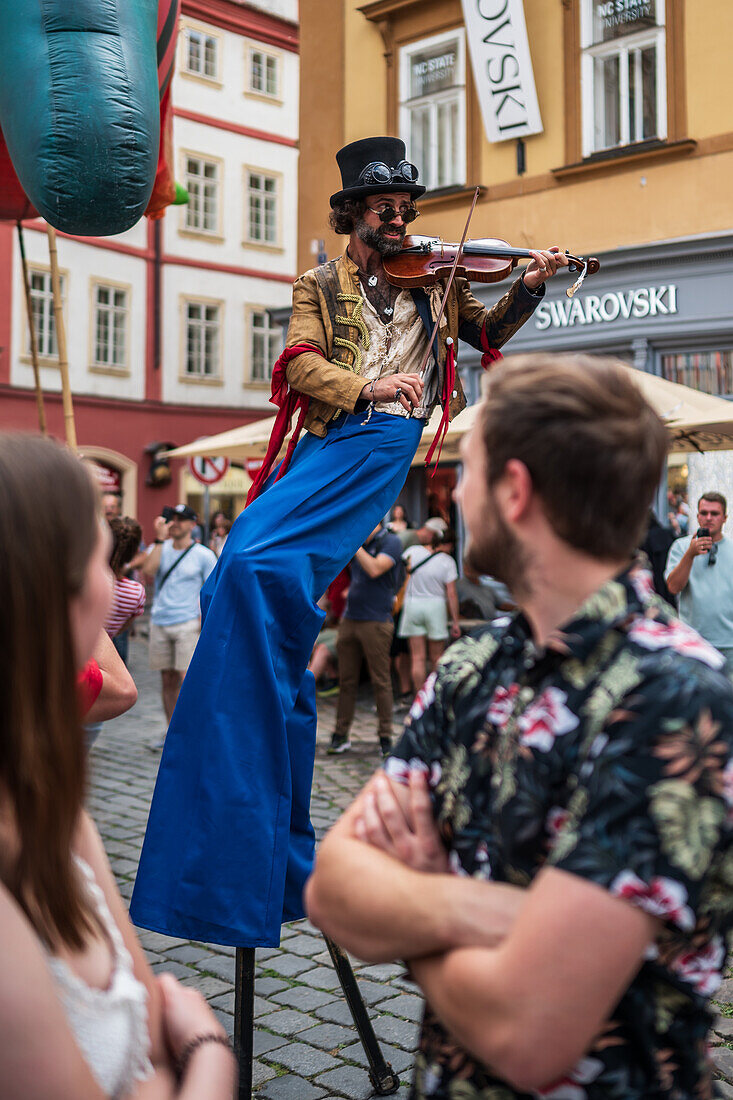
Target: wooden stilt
[
  {"x": 244, "y": 997},
  {"x": 58, "y": 314},
  {"x": 32, "y": 334}
]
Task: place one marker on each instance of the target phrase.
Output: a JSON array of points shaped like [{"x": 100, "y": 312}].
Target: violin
[{"x": 424, "y": 261}]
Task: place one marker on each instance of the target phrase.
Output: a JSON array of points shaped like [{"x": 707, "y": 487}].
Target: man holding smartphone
[
  {"x": 700, "y": 571},
  {"x": 179, "y": 567}
]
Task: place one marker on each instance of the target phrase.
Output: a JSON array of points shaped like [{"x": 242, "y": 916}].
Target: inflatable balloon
[{"x": 82, "y": 90}]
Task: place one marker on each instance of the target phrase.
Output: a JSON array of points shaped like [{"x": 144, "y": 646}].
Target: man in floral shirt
[{"x": 549, "y": 845}]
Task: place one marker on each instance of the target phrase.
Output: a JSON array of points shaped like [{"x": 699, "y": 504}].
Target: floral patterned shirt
[{"x": 608, "y": 754}]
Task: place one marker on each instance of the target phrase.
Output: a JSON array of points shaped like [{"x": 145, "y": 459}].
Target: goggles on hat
[
  {"x": 380, "y": 173},
  {"x": 407, "y": 213}
]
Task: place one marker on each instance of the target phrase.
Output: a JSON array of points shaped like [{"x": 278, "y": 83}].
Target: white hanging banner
[{"x": 502, "y": 68}]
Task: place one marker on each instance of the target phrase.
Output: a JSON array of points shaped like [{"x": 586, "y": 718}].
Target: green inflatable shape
[{"x": 79, "y": 108}]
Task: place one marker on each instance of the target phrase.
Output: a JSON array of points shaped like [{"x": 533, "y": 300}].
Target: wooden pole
[
  {"x": 32, "y": 333},
  {"x": 58, "y": 314}
]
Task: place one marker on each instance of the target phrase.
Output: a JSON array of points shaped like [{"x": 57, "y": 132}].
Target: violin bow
[{"x": 449, "y": 284}]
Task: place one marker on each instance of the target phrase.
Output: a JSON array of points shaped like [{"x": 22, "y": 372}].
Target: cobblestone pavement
[{"x": 305, "y": 1043}]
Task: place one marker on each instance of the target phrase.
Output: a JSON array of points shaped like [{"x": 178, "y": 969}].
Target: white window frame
[
  {"x": 114, "y": 310},
  {"x": 621, "y": 47},
  {"x": 267, "y": 56},
  {"x": 205, "y": 38},
  {"x": 429, "y": 173},
  {"x": 250, "y": 193},
  {"x": 46, "y": 342},
  {"x": 209, "y": 186},
  {"x": 205, "y": 326},
  {"x": 272, "y": 334}
]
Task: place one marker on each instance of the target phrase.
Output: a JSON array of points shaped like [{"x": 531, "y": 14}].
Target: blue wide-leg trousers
[{"x": 229, "y": 843}]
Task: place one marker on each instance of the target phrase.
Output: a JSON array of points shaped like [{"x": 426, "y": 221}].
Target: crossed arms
[{"x": 524, "y": 979}]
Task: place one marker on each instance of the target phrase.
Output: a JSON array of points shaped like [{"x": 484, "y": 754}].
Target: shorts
[
  {"x": 328, "y": 637},
  {"x": 173, "y": 646},
  {"x": 427, "y": 616}
]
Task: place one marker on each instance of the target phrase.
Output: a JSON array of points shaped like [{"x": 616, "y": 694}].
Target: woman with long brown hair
[{"x": 81, "y": 1015}]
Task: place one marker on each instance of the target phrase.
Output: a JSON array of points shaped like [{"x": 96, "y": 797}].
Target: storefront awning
[{"x": 696, "y": 421}]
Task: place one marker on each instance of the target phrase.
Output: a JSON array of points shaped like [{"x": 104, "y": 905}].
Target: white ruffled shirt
[{"x": 110, "y": 1025}]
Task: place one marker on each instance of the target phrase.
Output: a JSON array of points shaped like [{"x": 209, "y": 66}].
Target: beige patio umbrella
[{"x": 696, "y": 422}]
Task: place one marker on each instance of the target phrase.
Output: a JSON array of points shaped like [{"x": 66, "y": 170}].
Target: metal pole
[
  {"x": 58, "y": 314},
  {"x": 383, "y": 1078},
  {"x": 207, "y": 506},
  {"x": 32, "y": 333},
  {"x": 244, "y": 1018}
]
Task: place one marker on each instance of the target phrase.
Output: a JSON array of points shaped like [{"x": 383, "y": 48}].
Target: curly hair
[
  {"x": 345, "y": 215},
  {"x": 126, "y": 537}
]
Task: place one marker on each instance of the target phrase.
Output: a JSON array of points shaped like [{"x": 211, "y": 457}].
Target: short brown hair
[
  {"x": 345, "y": 215},
  {"x": 49, "y": 524},
  {"x": 593, "y": 445},
  {"x": 127, "y": 535},
  {"x": 714, "y": 498}
]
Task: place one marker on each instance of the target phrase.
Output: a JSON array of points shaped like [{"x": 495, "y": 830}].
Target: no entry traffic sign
[{"x": 208, "y": 470}]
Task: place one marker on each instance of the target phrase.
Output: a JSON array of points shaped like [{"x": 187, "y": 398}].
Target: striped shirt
[{"x": 128, "y": 599}]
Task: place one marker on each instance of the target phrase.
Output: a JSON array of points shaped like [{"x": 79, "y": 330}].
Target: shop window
[
  {"x": 203, "y": 325},
  {"x": 708, "y": 371},
  {"x": 201, "y": 54},
  {"x": 433, "y": 108},
  {"x": 264, "y": 73},
  {"x": 265, "y": 344},
  {"x": 111, "y": 311},
  {"x": 43, "y": 316},
  {"x": 202, "y": 184},
  {"x": 262, "y": 208},
  {"x": 623, "y": 81}
]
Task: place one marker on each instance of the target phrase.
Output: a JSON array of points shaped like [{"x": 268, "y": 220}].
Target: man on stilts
[{"x": 229, "y": 842}]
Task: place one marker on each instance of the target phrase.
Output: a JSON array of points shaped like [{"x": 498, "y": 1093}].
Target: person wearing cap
[
  {"x": 229, "y": 842},
  {"x": 179, "y": 567}
]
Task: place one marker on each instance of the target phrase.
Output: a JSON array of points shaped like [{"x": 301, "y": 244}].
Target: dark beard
[
  {"x": 375, "y": 238},
  {"x": 498, "y": 553}
]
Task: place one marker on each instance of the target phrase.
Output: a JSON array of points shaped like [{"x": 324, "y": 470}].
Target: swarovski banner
[{"x": 502, "y": 67}]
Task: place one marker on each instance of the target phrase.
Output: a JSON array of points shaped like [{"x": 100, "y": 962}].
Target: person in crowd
[
  {"x": 179, "y": 567},
  {"x": 106, "y": 688},
  {"x": 429, "y": 597},
  {"x": 549, "y": 845},
  {"x": 324, "y": 659},
  {"x": 655, "y": 545},
  {"x": 128, "y": 595},
  {"x": 111, "y": 506},
  {"x": 398, "y": 520},
  {"x": 82, "y": 1017},
  {"x": 220, "y": 528},
  {"x": 366, "y": 631},
  {"x": 700, "y": 572}
]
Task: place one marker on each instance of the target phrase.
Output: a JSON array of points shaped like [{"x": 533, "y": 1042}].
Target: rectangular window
[
  {"x": 623, "y": 73},
  {"x": 264, "y": 73},
  {"x": 709, "y": 371},
  {"x": 110, "y": 326},
  {"x": 202, "y": 340},
  {"x": 266, "y": 343},
  {"x": 202, "y": 184},
  {"x": 202, "y": 54},
  {"x": 43, "y": 317},
  {"x": 262, "y": 208},
  {"x": 433, "y": 108}
]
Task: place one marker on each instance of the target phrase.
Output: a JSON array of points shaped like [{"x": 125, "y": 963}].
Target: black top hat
[{"x": 375, "y": 166}]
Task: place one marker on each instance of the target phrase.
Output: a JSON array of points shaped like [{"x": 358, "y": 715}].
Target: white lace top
[{"x": 110, "y": 1025}]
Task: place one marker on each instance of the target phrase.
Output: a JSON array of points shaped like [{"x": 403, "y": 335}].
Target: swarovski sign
[
  {"x": 595, "y": 309},
  {"x": 502, "y": 68}
]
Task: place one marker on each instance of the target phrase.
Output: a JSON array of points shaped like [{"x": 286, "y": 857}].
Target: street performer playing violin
[{"x": 229, "y": 843}]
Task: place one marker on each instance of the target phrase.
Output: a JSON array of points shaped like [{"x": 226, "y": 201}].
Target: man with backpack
[
  {"x": 366, "y": 630},
  {"x": 179, "y": 567}
]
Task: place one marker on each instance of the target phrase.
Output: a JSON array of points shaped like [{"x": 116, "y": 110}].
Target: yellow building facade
[
  {"x": 631, "y": 157},
  {"x": 672, "y": 183}
]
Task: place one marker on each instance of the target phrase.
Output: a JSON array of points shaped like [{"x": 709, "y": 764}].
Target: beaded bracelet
[{"x": 185, "y": 1056}]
